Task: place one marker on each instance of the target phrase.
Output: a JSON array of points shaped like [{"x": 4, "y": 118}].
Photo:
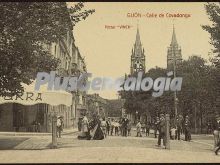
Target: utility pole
[
  {"x": 167, "y": 141},
  {"x": 54, "y": 130},
  {"x": 174, "y": 70}
]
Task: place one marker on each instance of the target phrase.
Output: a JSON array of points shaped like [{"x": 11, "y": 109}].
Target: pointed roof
[
  {"x": 174, "y": 41},
  {"x": 138, "y": 38}
]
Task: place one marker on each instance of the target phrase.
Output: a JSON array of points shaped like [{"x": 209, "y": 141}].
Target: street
[{"x": 112, "y": 149}]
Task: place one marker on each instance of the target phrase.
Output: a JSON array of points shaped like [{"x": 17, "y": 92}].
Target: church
[{"x": 174, "y": 57}]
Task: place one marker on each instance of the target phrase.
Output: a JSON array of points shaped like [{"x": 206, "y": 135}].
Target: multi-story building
[
  {"x": 78, "y": 67},
  {"x": 18, "y": 117},
  {"x": 97, "y": 105}
]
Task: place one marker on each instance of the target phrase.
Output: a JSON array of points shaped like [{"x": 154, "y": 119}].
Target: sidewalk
[
  {"x": 28, "y": 140},
  {"x": 65, "y": 132}
]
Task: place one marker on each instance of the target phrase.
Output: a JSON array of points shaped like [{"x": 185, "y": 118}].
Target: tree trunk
[{"x": 195, "y": 121}]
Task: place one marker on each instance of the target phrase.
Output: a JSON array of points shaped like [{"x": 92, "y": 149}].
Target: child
[
  {"x": 138, "y": 126},
  {"x": 173, "y": 132}
]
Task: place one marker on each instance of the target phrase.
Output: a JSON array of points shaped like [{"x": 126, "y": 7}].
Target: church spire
[
  {"x": 138, "y": 38},
  {"x": 173, "y": 41},
  {"x": 137, "y": 57}
]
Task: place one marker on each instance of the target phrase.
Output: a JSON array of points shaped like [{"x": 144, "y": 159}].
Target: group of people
[
  {"x": 118, "y": 127},
  {"x": 91, "y": 129},
  {"x": 99, "y": 128}
]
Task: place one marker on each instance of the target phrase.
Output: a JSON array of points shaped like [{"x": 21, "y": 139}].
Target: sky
[{"x": 107, "y": 51}]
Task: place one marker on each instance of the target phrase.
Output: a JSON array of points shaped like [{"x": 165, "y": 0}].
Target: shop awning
[{"x": 31, "y": 97}]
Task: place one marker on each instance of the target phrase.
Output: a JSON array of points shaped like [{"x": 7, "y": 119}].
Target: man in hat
[
  {"x": 187, "y": 126},
  {"x": 179, "y": 125},
  {"x": 125, "y": 125},
  {"x": 162, "y": 130}
]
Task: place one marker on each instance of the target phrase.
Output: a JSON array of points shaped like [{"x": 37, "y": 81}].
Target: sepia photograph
[{"x": 109, "y": 82}]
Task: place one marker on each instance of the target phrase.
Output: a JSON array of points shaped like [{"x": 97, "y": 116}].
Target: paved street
[{"x": 112, "y": 149}]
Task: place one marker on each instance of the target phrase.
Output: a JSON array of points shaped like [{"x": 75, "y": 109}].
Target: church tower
[
  {"x": 137, "y": 56},
  {"x": 173, "y": 52}
]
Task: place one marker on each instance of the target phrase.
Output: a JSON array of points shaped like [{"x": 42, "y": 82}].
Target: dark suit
[
  {"x": 124, "y": 126},
  {"x": 162, "y": 130}
]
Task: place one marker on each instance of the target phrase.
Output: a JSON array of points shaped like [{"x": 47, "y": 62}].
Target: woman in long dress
[
  {"x": 96, "y": 131},
  {"x": 84, "y": 129}
]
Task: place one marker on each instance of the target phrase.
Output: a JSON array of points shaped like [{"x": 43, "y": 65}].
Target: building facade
[
  {"x": 97, "y": 105},
  {"x": 38, "y": 117}
]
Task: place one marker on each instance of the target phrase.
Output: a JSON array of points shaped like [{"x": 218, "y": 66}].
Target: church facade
[{"x": 138, "y": 59}]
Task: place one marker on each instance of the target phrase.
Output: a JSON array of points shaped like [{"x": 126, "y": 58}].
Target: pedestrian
[
  {"x": 187, "y": 131},
  {"x": 116, "y": 128},
  {"x": 59, "y": 126},
  {"x": 209, "y": 128},
  {"x": 178, "y": 130},
  {"x": 112, "y": 126},
  {"x": 138, "y": 128},
  {"x": 96, "y": 131},
  {"x": 162, "y": 130},
  {"x": 143, "y": 127},
  {"x": 126, "y": 126},
  {"x": 85, "y": 132},
  {"x": 156, "y": 126},
  {"x": 129, "y": 128},
  {"x": 104, "y": 126},
  {"x": 79, "y": 124},
  {"x": 148, "y": 129},
  {"x": 216, "y": 133},
  {"x": 173, "y": 132},
  {"x": 108, "y": 122}
]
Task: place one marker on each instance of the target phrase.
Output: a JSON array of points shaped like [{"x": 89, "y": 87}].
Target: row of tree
[{"x": 199, "y": 97}]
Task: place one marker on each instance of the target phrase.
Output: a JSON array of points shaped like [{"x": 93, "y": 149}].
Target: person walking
[
  {"x": 156, "y": 126},
  {"x": 108, "y": 123},
  {"x": 173, "y": 133},
  {"x": 104, "y": 126},
  {"x": 216, "y": 133},
  {"x": 162, "y": 130},
  {"x": 116, "y": 128},
  {"x": 79, "y": 124},
  {"x": 138, "y": 128},
  {"x": 125, "y": 126},
  {"x": 112, "y": 126},
  {"x": 129, "y": 128},
  {"x": 187, "y": 126},
  {"x": 178, "y": 126},
  {"x": 59, "y": 126},
  {"x": 148, "y": 129}
]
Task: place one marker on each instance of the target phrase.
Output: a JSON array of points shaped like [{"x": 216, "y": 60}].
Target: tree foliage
[
  {"x": 197, "y": 93},
  {"x": 213, "y": 12},
  {"x": 25, "y": 28}
]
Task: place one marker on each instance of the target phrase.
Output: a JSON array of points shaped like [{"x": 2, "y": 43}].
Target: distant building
[
  {"x": 137, "y": 56},
  {"x": 173, "y": 52},
  {"x": 97, "y": 105}
]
